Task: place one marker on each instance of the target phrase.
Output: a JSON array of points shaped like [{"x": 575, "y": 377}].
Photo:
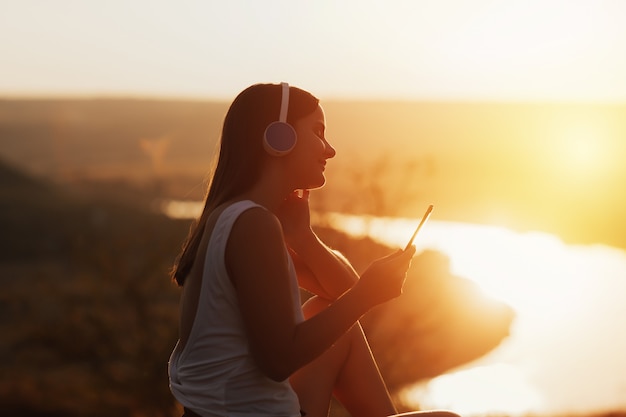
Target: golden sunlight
[
  {"x": 566, "y": 299},
  {"x": 499, "y": 388},
  {"x": 582, "y": 152},
  {"x": 530, "y": 287}
]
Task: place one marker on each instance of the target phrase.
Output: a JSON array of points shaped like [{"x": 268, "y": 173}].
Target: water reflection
[
  {"x": 565, "y": 352},
  {"x": 180, "y": 209}
]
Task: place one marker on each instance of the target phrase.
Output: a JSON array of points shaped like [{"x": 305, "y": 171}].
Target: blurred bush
[{"x": 88, "y": 314}]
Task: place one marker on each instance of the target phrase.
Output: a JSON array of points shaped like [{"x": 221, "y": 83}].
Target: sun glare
[
  {"x": 500, "y": 388},
  {"x": 496, "y": 262},
  {"x": 581, "y": 152},
  {"x": 556, "y": 290}
]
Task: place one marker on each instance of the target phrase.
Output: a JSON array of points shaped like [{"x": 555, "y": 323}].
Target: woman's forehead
[
  {"x": 316, "y": 118},
  {"x": 318, "y": 115}
]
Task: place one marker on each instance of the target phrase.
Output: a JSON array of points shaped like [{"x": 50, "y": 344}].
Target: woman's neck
[{"x": 269, "y": 194}]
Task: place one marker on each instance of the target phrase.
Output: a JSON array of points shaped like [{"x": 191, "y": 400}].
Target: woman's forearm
[
  {"x": 332, "y": 271},
  {"x": 318, "y": 333}
]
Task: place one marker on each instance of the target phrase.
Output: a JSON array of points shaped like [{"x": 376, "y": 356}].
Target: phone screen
[{"x": 419, "y": 226}]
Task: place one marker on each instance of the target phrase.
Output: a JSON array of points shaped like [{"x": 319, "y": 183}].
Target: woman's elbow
[
  {"x": 278, "y": 371},
  {"x": 275, "y": 366}
]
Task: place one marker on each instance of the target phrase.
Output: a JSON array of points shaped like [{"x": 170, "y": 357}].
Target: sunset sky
[
  {"x": 528, "y": 171},
  {"x": 408, "y": 49}
]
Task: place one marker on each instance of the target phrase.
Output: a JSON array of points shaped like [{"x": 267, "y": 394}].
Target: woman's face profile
[{"x": 312, "y": 150}]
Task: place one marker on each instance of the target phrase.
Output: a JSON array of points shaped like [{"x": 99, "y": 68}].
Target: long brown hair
[{"x": 240, "y": 156}]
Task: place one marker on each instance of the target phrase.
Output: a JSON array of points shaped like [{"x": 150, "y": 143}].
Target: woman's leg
[{"x": 347, "y": 370}]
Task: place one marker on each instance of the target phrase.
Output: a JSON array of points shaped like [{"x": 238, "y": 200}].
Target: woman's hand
[
  {"x": 295, "y": 218},
  {"x": 384, "y": 278}
]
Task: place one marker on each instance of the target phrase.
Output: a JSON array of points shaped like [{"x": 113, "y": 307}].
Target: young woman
[{"x": 247, "y": 347}]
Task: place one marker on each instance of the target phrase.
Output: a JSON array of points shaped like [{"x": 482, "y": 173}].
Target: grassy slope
[{"x": 87, "y": 301}]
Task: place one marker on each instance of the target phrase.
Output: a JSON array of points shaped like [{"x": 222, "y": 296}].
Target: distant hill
[
  {"x": 43, "y": 219},
  {"x": 520, "y": 165},
  {"x": 69, "y": 139},
  {"x": 26, "y": 203},
  {"x": 11, "y": 178}
]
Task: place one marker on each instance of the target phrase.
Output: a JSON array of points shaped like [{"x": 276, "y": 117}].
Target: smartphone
[{"x": 419, "y": 226}]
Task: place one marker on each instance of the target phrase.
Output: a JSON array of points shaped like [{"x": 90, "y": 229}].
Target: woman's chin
[{"x": 317, "y": 184}]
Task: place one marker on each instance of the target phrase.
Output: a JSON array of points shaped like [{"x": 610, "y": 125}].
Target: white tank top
[{"x": 214, "y": 374}]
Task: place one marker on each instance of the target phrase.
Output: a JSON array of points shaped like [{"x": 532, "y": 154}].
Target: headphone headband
[
  {"x": 280, "y": 137},
  {"x": 284, "y": 103}
]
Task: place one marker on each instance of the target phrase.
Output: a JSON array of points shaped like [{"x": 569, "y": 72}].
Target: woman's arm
[
  {"x": 321, "y": 270},
  {"x": 256, "y": 258}
]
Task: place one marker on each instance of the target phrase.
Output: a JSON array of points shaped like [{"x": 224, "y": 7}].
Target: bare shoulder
[
  {"x": 257, "y": 230},
  {"x": 256, "y": 221}
]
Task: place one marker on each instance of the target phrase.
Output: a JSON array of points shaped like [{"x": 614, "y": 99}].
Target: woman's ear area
[{"x": 279, "y": 138}]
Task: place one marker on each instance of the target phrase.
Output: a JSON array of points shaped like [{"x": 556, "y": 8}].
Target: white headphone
[{"x": 280, "y": 137}]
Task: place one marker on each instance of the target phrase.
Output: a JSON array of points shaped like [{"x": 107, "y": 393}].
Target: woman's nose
[{"x": 329, "y": 151}]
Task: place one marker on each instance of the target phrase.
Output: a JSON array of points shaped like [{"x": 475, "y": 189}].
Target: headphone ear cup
[{"x": 279, "y": 138}]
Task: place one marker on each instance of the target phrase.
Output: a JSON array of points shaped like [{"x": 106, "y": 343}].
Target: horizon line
[{"x": 6, "y": 96}]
